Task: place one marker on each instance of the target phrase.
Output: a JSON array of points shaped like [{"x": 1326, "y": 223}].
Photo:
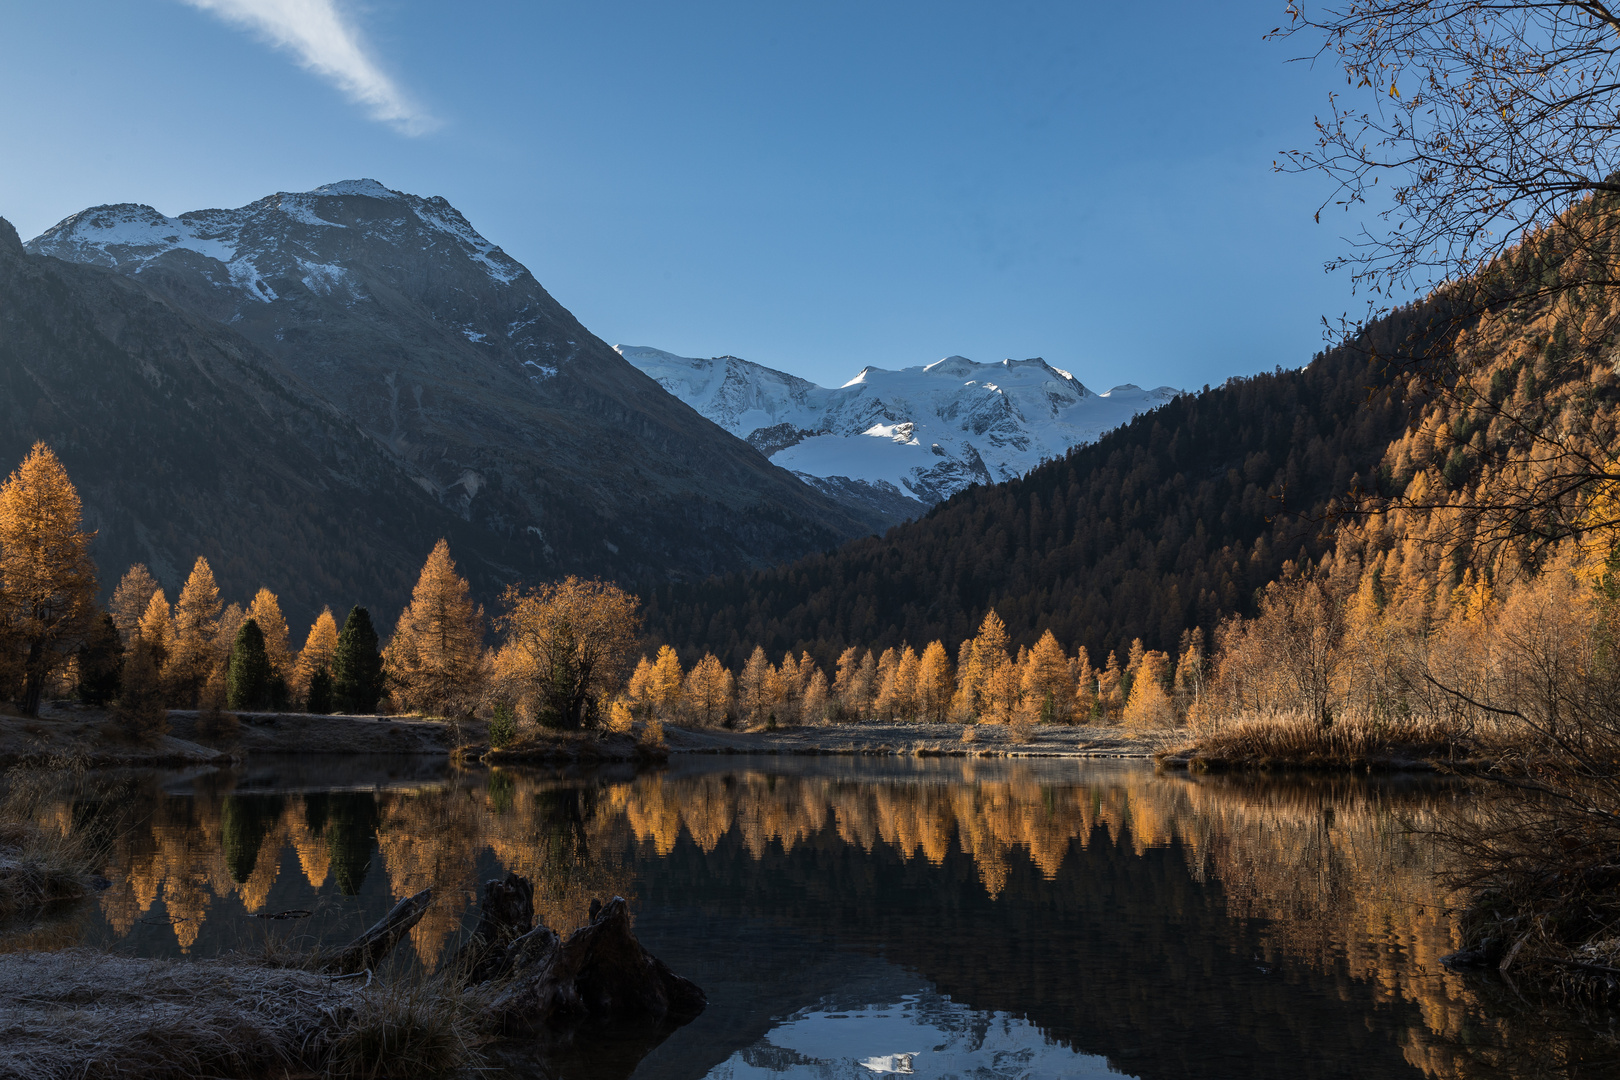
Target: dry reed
[
  {"x": 42, "y": 861},
  {"x": 90, "y": 1015},
  {"x": 1294, "y": 739}
]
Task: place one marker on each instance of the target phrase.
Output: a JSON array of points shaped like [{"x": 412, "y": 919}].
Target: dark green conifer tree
[
  {"x": 357, "y": 668},
  {"x": 101, "y": 662},
  {"x": 320, "y": 693},
  {"x": 247, "y": 680}
]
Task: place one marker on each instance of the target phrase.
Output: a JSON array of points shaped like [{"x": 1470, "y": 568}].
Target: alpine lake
[{"x": 862, "y": 917}]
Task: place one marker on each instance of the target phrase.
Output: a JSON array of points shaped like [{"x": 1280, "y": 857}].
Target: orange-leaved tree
[
  {"x": 47, "y": 579},
  {"x": 435, "y": 659},
  {"x": 193, "y": 652},
  {"x": 567, "y": 648},
  {"x": 130, "y": 600},
  {"x": 316, "y": 655},
  {"x": 709, "y": 687},
  {"x": 266, "y": 611}
]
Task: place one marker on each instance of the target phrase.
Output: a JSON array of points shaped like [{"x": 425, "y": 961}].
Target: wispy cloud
[{"x": 326, "y": 41}]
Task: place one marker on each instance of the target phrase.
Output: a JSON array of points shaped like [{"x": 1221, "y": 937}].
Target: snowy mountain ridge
[
  {"x": 918, "y": 434},
  {"x": 392, "y": 310},
  {"x": 247, "y": 240}
]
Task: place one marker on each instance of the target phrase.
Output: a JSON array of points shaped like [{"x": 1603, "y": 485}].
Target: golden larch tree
[
  {"x": 266, "y": 611},
  {"x": 1085, "y": 686},
  {"x": 844, "y": 675},
  {"x": 157, "y": 628},
  {"x": 983, "y": 689},
  {"x": 1150, "y": 707},
  {"x": 192, "y": 650},
  {"x": 230, "y": 622},
  {"x": 813, "y": 706},
  {"x": 1191, "y": 670},
  {"x": 639, "y": 688},
  {"x": 708, "y": 690},
  {"x": 902, "y": 691},
  {"x": 783, "y": 687},
  {"x": 319, "y": 646},
  {"x": 935, "y": 684},
  {"x": 47, "y": 578},
  {"x": 862, "y": 687},
  {"x": 1111, "y": 689},
  {"x": 883, "y": 696},
  {"x": 1047, "y": 683},
  {"x": 666, "y": 685},
  {"x": 435, "y": 657},
  {"x": 130, "y": 599},
  {"x": 754, "y": 687}
]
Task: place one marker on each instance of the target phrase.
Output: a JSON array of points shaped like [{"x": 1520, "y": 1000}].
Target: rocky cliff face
[
  {"x": 394, "y": 318},
  {"x": 900, "y": 441}
]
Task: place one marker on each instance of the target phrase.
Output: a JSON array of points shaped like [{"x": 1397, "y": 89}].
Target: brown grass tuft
[
  {"x": 42, "y": 860},
  {"x": 421, "y": 1028},
  {"x": 90, "y": 1015},
  {"x": 1294, "y": 739}
]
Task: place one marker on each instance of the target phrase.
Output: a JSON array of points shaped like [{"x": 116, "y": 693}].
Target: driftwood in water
[
  {"x": 599, "y": 974},
  {"x": 367, "y": 950},
  {"x": 507, "y": 914}
]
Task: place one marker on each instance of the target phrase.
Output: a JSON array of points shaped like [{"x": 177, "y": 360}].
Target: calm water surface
[{"x": 850, "y": 919}]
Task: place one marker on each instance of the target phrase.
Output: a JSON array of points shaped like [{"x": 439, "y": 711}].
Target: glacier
[{"x": 915, "y": 435}]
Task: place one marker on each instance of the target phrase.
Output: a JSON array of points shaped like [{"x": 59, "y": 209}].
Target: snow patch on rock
[{"x": 929, "y": 431}]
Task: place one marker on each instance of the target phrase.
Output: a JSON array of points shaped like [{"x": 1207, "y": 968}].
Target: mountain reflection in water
[{"x": 931, "y": 918}]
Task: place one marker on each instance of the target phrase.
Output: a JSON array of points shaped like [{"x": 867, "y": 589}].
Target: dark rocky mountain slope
[
  {"x": 185, "y": 440},
  {"x": 447, "y": 368}
]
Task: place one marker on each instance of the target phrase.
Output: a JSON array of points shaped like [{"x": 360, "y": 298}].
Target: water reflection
[
  {"x": 946, "y": 1039},
  {"x": 1021, "y": 918}
]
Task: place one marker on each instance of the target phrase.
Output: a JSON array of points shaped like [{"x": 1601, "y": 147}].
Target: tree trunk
[
  {"x": 33, "y": 678},
  {"x": 367, "y": 950},
  {"x": 599, "y": 973}
]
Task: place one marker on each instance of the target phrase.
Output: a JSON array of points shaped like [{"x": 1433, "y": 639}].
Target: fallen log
[
  {"x": 598, "y": 974},
  {"x": 367, "y": 951}
]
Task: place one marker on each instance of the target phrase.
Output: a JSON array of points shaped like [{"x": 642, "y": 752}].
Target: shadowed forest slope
[{"x": 1170, "y": 522}]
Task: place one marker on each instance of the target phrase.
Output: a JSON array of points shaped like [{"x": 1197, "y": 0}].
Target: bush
[
  {"x": 502, "y": 726},
  {"x": 101, "y": 663},
  {"x": 247, "y": 685},
  {"x": 140, "y": 710},
  {"x": 320, "y": 693}
]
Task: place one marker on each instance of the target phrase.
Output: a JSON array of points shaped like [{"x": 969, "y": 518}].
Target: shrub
[{"x": 502, "y": 726}]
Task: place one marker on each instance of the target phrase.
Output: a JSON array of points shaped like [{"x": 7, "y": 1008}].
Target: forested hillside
[{"x": 1168, "y": 523}]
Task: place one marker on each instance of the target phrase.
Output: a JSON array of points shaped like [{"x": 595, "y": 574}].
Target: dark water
[{"x": 850, "y": 919}]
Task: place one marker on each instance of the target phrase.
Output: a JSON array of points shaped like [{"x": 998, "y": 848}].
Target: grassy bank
[
  {"x": 542, "y": 747},
  {"x": 1299, "y": 742},
  {"x": 92, "y": 739},
  {"x": 42, "y": 861},
  {"x": 924, "y": 740},
  {"x": 89, "y": 1014}
]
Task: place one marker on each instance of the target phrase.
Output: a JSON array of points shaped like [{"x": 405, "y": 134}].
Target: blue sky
[{"x": 813, "y": 186}]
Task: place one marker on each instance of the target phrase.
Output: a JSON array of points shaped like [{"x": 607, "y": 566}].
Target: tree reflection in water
[{"x": 1175, "y": 925}]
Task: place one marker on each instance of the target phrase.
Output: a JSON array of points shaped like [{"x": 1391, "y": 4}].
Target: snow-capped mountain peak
[
  {"x": 913, "y": 436},
  {"x": 275, "y": 235}
]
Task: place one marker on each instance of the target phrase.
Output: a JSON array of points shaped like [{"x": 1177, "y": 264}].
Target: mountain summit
[
  {"x": 487, "y": 394},
  {"x": 900, "y": 441}
]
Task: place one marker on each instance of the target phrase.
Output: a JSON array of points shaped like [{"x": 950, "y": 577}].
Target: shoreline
[{"x": 71, "y": 735}]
